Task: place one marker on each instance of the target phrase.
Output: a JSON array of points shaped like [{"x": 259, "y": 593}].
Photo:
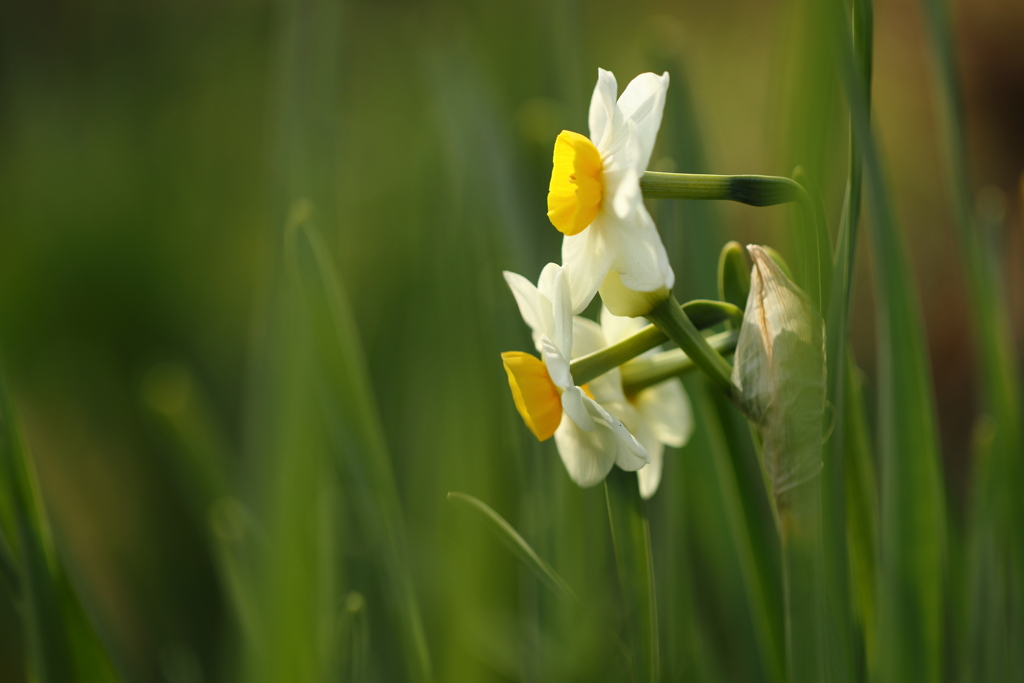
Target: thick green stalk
[
  {"x": 703, "y": 313},
  {"x": 677, "y": 326},
  {"x": 641, "y": 373},
  {"x": 803, "y": 575},
  {"x": 631, "y": 536},
  {"x": 750, "y": 542}
]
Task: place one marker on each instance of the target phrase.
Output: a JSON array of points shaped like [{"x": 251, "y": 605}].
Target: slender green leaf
[
  {"x": 861, "y": 516},
  {"x": 515, "y": 543},
  {"x": 996, "y": 569},
  {"x": 61, "y": 640},
  {"x": 912, "y": 506},
  {"x": 631, "y": 537},
  {"x": 357, "y": 436}
]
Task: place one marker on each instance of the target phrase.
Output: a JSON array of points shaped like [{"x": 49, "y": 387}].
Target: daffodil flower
[
  {"x": 590, "y": 439},
  {"x": 594, "y": 197},
  {"x": 659, "y": 416}
]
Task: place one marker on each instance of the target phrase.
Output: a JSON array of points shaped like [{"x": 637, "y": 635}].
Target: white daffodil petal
[
  {"x": 618, "y": 327},
  {"x": 603, "y": 108},
  {"x": 558, "y": 367},
  {"x": 627, "y": 194},
  {"x": 640, "y": 258},
  {"x": 573, "y": 405},
  {"x": 587, "y": 337},
  {"x": 587, "y": 456},
  {"x": 643, "y": 102},
  {"x": 546, "y": 281},
  {"x": 623, "y": 412},
  {"x": 665, "y": 410},
  {"x": 650, "y": 476},
  {"x": 588, "y": 257},
  {"x": 533, "y": 306},
  {"x": 627, "y": 439},
  {"x": 561, "y": 313}
]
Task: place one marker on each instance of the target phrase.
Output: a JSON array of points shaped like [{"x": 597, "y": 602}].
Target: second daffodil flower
[
  {"x": 594, "y": 199},
  {"x": 589, "y": 438},
  {"x": 659, "y": 416}
]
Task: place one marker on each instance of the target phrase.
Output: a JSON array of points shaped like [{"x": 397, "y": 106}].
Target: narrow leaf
[{"x": 509, "y": 537}]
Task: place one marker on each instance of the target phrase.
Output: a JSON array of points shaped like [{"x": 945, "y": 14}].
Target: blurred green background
[{"x": 149, "y": 155}]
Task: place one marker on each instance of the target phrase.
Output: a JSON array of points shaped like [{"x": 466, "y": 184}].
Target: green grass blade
[
  {"x": 861, "y": 519},
  {"x": 845, "y": 604},
  {"x": 997, "y": 512},
  {"x": 61, "y": 640},
  {"x": 509, "y": 537},
  {"x": 355, "y": 638},
  {"x": 912, "y": 506},
  {"x": 631, "y": 538},
  {"x": 357, "y": 435}
]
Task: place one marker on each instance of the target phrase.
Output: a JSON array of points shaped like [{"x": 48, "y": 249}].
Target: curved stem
[
  {"x": 641, "y": 373},
  {"x": 677, "y": 326},
  {"x": 702, "y": 312}
]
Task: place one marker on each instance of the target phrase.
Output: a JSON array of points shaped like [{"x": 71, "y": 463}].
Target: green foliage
[{"x": 253, "y": 373}]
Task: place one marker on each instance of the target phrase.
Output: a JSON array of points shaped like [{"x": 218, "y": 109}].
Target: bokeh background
[{"x": 148, "y": 152}]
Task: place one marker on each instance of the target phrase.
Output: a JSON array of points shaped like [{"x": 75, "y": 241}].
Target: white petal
[
  {"x": 573, "y": 405},
  {"x": 650, "y": 476},
  {"x": 558, "y": 367},
  {"x": 587, "y": 337},
  {"x": 665, "y": 410},
  {"x": 546, "y": 281},
  {"x": 640, "y": 259},
  {"x": 624, "y": 412},
  {"x": 587, "y": 456},
  {"x": 632, "y": 446},
  {"x": 561, "y": 313},
  {"x": 588, "y": 257},
  {"x": 533, "y": 306},
  {"x": 618, "y": 327},
  {"x": 627, "y": 194},
  {"x": 643, "y": 102},
  {"x": 603, "y": 108},
  {"x": 607, "y": 388}
]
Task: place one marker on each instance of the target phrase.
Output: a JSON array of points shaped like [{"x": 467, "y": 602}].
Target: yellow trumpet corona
[
  {"x": 536, "y": 396},
  {"x": 575, "y": 191}
]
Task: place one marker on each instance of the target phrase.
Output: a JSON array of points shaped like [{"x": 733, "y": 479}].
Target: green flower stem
[
  {"x": 703, "y": 313},
  {"x": 641, "y": 373},
  {"x": 677, "y": 326},
  {"x": 631, "y": 537},
  {"x": 755, "y": 190}
]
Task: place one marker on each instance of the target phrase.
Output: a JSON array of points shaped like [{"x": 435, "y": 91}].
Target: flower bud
[{"x": 779, "y": 373}]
